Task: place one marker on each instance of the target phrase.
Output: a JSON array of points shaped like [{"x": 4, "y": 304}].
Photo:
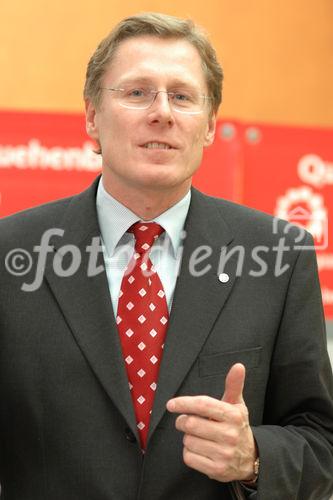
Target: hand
[{"x": 218, "y": 440}]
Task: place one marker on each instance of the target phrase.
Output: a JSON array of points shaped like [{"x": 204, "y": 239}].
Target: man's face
[{"x": 123, "y": 133}]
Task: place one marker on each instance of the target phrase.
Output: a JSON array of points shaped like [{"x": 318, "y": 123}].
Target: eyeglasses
[{"x": 187, "y": 102}]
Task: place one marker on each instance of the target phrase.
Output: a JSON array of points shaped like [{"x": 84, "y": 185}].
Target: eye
[
  {"x": 136, "y": 93},
  {"x": 181, "y": 96},
  {"x": 184, "y": 98}
]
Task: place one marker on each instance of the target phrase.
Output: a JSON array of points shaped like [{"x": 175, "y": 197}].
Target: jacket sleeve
[{"x": 296, "y": 439}]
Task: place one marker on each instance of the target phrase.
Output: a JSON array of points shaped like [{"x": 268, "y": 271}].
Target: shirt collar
[{"x": 115, "y": 219}]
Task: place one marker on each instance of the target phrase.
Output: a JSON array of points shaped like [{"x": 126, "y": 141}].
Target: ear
[
  {"x": 210, "y": 131},
  {"x": 91, "y": 122}
]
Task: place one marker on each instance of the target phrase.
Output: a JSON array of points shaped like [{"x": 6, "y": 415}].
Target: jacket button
[{"x": 129, "y": 435}]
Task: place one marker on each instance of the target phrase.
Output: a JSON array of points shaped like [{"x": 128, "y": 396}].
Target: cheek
[
  {"x": 198, "y": 140},
  {"x": 118, "y": 132},
  {"x": 198, "y": 133},
  {"x": 110, "y": 133}
]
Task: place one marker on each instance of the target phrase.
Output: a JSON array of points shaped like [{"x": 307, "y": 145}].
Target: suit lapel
[
  {"x": 86, "y": 304},
  {"x": 197, "y": 300}
]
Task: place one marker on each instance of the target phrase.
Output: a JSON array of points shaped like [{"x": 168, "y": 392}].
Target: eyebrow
[{"x": 146, "y": 80}]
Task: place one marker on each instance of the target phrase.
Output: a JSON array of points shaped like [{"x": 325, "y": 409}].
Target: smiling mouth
[{"x": 157, "y": 145}]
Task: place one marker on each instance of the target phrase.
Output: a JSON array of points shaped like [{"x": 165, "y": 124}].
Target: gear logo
[{"x": 305, "y": 208}]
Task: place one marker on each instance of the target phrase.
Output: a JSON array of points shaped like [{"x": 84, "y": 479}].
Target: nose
[{"x": 160, "y": 109}]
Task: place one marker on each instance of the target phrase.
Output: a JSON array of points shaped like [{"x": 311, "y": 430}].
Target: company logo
[{"x": 305, "y": 208}]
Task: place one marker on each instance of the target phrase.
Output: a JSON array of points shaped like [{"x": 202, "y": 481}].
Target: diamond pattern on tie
[{"x": 142, "y": 320}]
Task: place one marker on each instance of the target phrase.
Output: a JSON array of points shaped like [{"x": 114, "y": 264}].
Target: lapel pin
[{"x": 224, "y": 277}]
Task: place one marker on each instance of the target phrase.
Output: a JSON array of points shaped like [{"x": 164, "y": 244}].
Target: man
[{"x": 185, "y": 366}]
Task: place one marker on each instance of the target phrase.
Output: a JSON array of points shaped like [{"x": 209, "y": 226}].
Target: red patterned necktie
[{"x": 142, "y": 320}]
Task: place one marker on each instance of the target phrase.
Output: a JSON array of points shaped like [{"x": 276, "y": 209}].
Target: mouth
[{"x": 157, "y": 145}]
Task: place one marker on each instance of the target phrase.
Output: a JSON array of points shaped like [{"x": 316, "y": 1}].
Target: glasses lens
[
  {"x": 189, "y": 102},
  {"x": 140, "y": 97},
  {"x": 136, "y": 97}
]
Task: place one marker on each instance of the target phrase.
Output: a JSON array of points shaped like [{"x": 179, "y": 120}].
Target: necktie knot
[{"x": 145, "y": 234}]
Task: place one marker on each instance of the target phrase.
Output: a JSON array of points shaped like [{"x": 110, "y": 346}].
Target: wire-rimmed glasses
[{"x": 188, "y": 102}]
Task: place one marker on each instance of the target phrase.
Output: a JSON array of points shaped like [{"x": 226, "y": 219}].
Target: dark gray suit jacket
[{"x": 67, "y": 425}]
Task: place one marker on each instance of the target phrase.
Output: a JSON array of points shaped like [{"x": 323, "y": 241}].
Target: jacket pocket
[{"x": 216, "y": 364}]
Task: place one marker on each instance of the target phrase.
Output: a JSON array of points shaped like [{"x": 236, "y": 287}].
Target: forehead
[{"x": 160, "y": 60}]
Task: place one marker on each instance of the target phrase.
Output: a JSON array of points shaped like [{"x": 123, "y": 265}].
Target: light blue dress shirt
[{"x": 118, "y": 245}]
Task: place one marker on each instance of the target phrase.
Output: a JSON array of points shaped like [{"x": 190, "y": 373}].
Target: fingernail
[{"x": 171, "y": 405}]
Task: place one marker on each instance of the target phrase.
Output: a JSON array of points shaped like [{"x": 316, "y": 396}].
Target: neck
[{"x": 147, "y": 203}]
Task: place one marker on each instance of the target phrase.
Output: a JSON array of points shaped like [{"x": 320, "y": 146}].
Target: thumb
[{"x": 234, "y": 385}]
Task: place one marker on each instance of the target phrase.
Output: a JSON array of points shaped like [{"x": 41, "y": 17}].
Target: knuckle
[
  {"x": 203, "y": 403},
  {"x": 233, "y": 437},
  {"x": 219, "y": 469},
  {"x": 186, "y": 440},
  {"x": 187, "y": 457},
  {"x": 190, "y": 424},
  {"x": 228, "y": 454},
  {"x": 246, "y": 413},
  {"x": 239, "y": 419}
]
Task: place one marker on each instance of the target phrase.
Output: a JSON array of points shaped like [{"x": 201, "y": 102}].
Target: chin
[{"x": 158, "y": 173}]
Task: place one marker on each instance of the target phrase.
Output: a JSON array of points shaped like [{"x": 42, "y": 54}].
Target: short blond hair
[{"x": 162, "y": 26}]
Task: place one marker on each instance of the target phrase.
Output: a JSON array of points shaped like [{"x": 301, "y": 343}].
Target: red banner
[
  {"x": 285, "y": 171},
  {"x": 43, "y": 157},
  {"x": 288, "y": 172}
]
